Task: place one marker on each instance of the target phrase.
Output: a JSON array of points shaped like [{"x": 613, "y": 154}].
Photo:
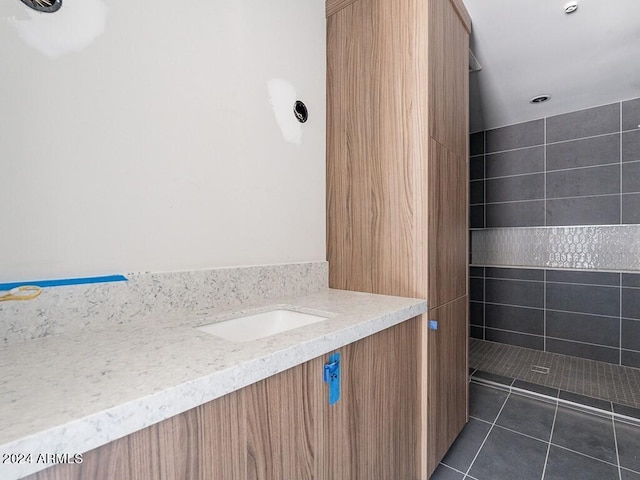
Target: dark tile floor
[
  {"x": 611, "y": 383},
  {"x": 513, "y": 436}
]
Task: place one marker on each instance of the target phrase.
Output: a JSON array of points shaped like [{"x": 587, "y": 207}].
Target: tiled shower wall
[
  {"x": 580, "y": 168},
  {"x": 576, "y": 169},
  {"x": 593, "y": 315}
]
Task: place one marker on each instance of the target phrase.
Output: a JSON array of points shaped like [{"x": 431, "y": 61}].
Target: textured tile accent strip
[
  {"x": 615, "y": 247},
  {"x": 605, "y": 381},
  {"x": 61, "y": 310}
]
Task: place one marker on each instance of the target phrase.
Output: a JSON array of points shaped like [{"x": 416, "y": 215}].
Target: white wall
[{"x": 141, "y": 136}]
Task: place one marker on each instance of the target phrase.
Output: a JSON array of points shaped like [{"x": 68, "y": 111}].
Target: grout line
[
  {"x": 537, "y": 227},
  {"x": 579, "y": 270},
  {"x": 488, "y": 433},
  {"x": 545, "y": 176},
  {"x": 537, "y": 145},
  {"x": 451, "y": 468},
  {"x": 615, "y": 442},
  {"x": 546, "y": 221},
  {"x": 620, "y": 325},
  {"x": 584, "y": 454},
  {"x": 553, "y": 426},
  {"x": 620, "y": 140},
  {"x": 544, "y": 312},
  {"x": 484, "y": 302},
  {"x": 524, "y": 434},
  {"x": 599, "y": 195},
  {"x": 484, "y": 179}
]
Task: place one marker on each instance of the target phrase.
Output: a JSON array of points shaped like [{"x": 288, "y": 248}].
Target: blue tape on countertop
[{"x": 65, "y": 281}]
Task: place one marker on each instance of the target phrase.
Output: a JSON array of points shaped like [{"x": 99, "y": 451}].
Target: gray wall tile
[
  {"x": 631, "y": 303},
  {"x": 583, "y": 316},
  {"x": 476, "y": 272},
  {"x": 514, "y": 292},
  {"x": 515, "y": 162},
  {"x": 476, "y": 143},
  {"x": 631, "y": 114},
  {"x": 583, "y": 299},
  {"x": 584, "y": 181},
  {"x": 580, "y": 327},
  {"x": 476, "y": 289},
  {"x": 519, "y": 214},
  {"x": 476, "y": 332},
  {"x": 591, "y": 278},
  {"x": 520, "y": 135},
  {"x": 631, "y": 177},
  {"x": 631, "y": 279},
  {"x": 582, "y": 350},
  {"x": 631, "y": 334},
  {"x": 517, "y": 339},
  {"x": 476, "y": 168},
  {"x": 584, "y": 152},
  {"x": 631, "y": 208},
  {"x": 584, "y": 211},
  {"x": 516, "y": 273},
  {"x": 584, "y": 123},
  {"x": 517, "y": 319},
  {"x": 521, "y": 187},
  {"x": 631, "y": 146},
  {"x": 476, "y": 216},
  {"x": 476, "y": 192},
  {"x": 476, "y": 313},
  {"x": 630, "y": 359}
]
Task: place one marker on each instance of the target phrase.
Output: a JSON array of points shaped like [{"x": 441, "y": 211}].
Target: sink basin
[{"x": 260, "y": 325}]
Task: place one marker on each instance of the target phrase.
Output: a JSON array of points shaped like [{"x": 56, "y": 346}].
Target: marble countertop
[{"x": 74, "y": 392}]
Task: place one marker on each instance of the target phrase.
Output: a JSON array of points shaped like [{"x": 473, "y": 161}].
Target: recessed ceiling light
[
  {"x": 570, "y": 7},
  {"x": 540, "y": 98}
]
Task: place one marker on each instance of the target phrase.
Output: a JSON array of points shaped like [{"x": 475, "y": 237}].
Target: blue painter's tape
[
  {"x": 65, "y": 281},
  {"x": 332, "y": 377}
]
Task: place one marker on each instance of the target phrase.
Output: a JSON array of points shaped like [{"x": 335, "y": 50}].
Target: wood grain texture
[
  {"x": 373, "y": 431},
  {"x": 448, "y": 225},
  {"x": 396, "y": 198},
  {"x": 448, "y": 382},
  {"x": 462, "y": 13},
  {"x": 377, "y": 146},
  {"x": 285, "y": 430},
  {"x": 448, "y": 77},
  {"x": 205, "y": 443},
  {"x": 334, "y": 6}
]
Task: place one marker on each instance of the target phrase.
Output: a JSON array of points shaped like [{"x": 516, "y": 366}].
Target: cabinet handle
[{"x": 331, "y": 376}]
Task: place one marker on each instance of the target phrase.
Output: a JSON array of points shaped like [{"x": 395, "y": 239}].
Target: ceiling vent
[
  {"x": 474, "y": 64},
  {"x": 47, "y": 6}
]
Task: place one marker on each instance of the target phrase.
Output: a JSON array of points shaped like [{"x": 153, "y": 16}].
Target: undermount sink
[{"x": 260, "y": 325}]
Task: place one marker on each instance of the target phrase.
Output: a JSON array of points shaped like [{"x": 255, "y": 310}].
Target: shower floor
[{"x": 603, "y": 381}]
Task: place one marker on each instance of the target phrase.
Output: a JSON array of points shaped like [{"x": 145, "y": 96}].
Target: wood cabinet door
[
  {"x": 373, "y": 431},
  {"x": 449, "y": 75},
  {"x": 284, "y": 424},
  {"x": 447, "y": 378},
  {"x": 448, "y": 225},
  {"x": 204, "y": 443}
]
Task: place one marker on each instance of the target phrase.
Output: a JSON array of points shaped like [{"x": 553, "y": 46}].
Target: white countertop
[{"x": 72, "y": 393}]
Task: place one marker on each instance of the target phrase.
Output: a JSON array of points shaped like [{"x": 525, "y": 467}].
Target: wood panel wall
[
  {"x": 397, "y": 169},
  {"x": 376, "y": 126}
]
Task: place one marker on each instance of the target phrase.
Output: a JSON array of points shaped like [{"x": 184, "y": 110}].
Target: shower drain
[{"x": 539, "y": 369}]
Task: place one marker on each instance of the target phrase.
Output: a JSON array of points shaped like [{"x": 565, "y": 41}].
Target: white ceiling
[{"x": 531, "y": 47}]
